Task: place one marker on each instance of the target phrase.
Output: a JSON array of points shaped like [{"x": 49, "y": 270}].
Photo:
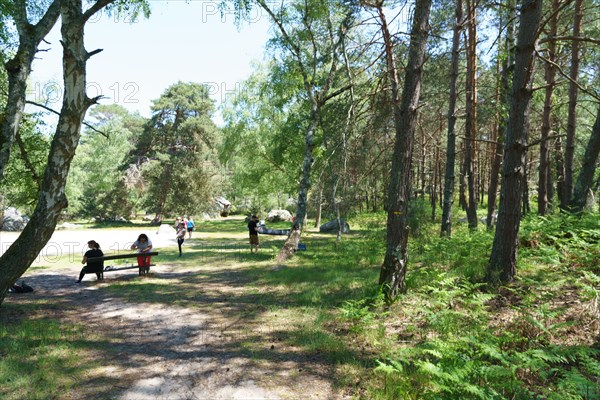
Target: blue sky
[{"x": 187, "y": 41}]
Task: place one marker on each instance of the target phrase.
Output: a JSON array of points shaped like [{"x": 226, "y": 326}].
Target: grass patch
[{"x": 41, "y": 358}]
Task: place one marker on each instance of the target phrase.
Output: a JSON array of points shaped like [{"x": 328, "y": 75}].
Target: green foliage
[
  {"x": 419, "y": 212},
  {"x": 96, "y": 186},
  {"x": 25, "y": 168},
  {"x": 457, "y": 341},
  {"x": 179, "y": 141}
]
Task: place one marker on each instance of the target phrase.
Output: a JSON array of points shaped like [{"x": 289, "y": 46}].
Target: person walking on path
[
  {"x": 181, "y": 236},
  {"x": 253, "y": 232},
  {"x": 190, "y": 226},
  {"x": 143, "y": 245},
  {"x": 92, "y": 267}
]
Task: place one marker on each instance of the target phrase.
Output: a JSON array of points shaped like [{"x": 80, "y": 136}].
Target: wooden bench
[{"x": 142, "y": 270}]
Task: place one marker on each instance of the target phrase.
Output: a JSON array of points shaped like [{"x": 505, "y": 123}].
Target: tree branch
[
  {"x": 28, "y": 163},
  {"x": 572, "y": 38},
  {"x": 535, "y": 143},
  {"x": 99, "y": 5},
  {"x": 583, "y": 89},
  {"x": 57, "y": 113}
]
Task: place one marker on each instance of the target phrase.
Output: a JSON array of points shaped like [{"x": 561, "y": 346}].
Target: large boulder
[
  {"x": 13, "y": 220},
  {"x": 223, "y": 205},
  {"x": 279, "y": 215},
  {"x": 333, "y": 227}
]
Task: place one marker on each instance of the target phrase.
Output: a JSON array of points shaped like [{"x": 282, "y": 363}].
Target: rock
[
  {"x": 67, "y": 225},
  {"x": 166, "y": 229},
  {"x": 223, "y": 205},
  {"x": 332, "y": 227},
  {"x": 13, "y": 220},
  {"x": 147, "y": 218},
  {"x": 279, "y": 215}
]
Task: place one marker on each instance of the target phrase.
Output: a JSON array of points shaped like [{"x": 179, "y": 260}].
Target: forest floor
[
  {"x": 191, "y": 329},
  {"x": 222, "y": 323}
]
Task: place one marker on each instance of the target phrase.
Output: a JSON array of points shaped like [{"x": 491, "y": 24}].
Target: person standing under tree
[
  {"x": 96, "y": 267},
  {"x": 253, "y": 231},
  {"x": 181, "y": 236},
  {"x": 143, "y": 245},
  {"x": 190, "y": 226}
]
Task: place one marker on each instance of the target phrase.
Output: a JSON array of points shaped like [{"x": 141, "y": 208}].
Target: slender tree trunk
[
  {"x": 504, "y": 100},
  {"x": 434, "y": 180},
  {"x": 19, "y": 256},
  {"x": 319, "y": 206},
  {"x": 503, "y": 259},
  {"x": 526, "y": 209},
  {"x": 572, "y": 116},
  {"x": 291, "y": 243},
  {"x": 18, "y": 70},
  {"x": 586, "y": 175},
  {"x": 336, "y": 205},
  {"x": 471, "y": 114},
  {"x": 462, "y": 186},
  {"x": 451, "y": 145},
  {"x": 560, "y": 170},
  {"x": 550, "y": 78},
  {"x": 393, "y": 269}
]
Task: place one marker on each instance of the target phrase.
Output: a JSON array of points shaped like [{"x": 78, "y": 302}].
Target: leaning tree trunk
[
  {"x": 393, "y": 269},
  {"x": 588, "y": 169},
  {"x": 471, "y": 114},
  {"x": 451, "y": 145},
  {"x": 550, "y": 78},
  {"x": 291, "y": 244},
  {"x": 503, "y": 259},
  {"x": 18, "y": 70},
  {"x": 572, "y": 116},
  {"x": 19, "y": 256}
]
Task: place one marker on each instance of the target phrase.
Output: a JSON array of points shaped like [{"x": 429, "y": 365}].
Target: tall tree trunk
[
  {"x": 560, "y": 170},
  {"x": 19, "y": 256},
  {"x": 471, "y": 114},
  {"x": 462, "y": 185},
  {"x": 550, "y": 78},
  {"x": 393, "y": 269},
  {"x": 503, "y": 259},
  {"x": 526, "y": 209},
  {"x": 451, "y": 145},
  {"x": 586, "y": 175},
  {"x": 502, "y": 120},
  {"x": 572, "y": 116},
  {"x": 18, "y": 70},
  {"x": 292, "y": 241},
  {"x": 319, "y": 206},
  {"x": 434, "y": 180}
]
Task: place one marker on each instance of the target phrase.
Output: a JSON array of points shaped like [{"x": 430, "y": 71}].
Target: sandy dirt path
[{"x": 161, "y": 349}]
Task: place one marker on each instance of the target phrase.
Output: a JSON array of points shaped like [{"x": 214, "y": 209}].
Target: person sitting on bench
[
  {"x": 92, "y": 267},
  {"x": 143, "y": 245}
]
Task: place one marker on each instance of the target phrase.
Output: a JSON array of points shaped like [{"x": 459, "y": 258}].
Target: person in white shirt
[{"x": 143, "y": 245}]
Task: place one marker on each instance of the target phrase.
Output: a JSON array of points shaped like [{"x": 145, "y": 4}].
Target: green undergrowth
[{"x": 449, "y": 336}]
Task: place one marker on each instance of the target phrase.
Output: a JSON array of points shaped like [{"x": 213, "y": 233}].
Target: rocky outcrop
[
  {"x": 279, "y": 215},
  {"x": 13, "y": 220}
]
